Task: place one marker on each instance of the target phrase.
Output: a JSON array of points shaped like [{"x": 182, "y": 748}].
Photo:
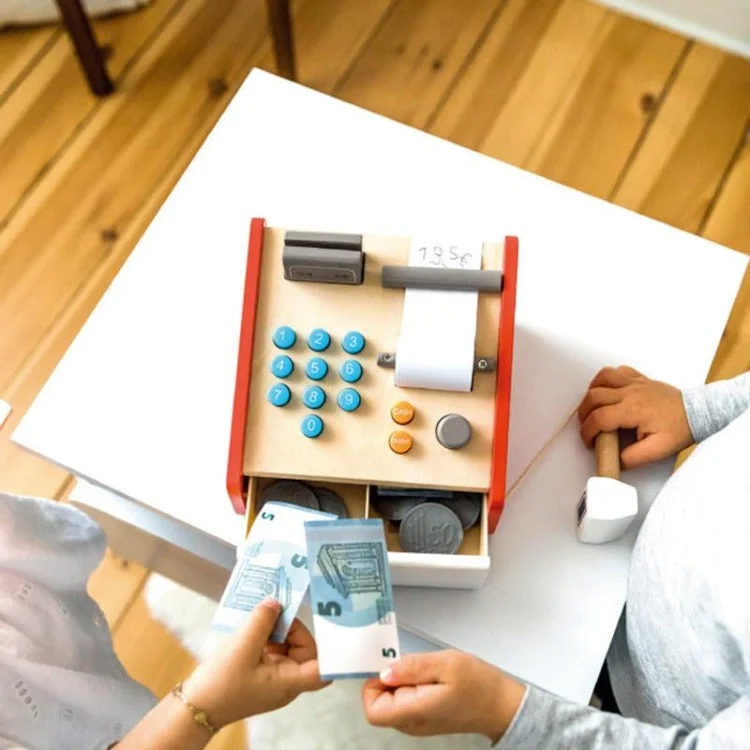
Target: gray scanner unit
[{"x": 323, "y": 257}]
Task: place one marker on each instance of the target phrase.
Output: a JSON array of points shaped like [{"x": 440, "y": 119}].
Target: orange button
[
  {"x": 400, "y": 441},
  {"x": 402, "y": 412}
]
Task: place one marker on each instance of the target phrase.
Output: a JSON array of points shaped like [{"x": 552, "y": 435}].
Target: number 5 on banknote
[{"x": 351, "y": 597}]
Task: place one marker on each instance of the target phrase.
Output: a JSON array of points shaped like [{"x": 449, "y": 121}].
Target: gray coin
[
  {"x": 394, "y": 508},
  {"x": 431, "y": 527},
  {"x": 288, "y": 491},
  {"x": 330, "y": 502},
  {"x": 466, "y": 505}
]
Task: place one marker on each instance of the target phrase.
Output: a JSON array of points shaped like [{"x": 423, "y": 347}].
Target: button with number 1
[{"x": 284, "y": 337}]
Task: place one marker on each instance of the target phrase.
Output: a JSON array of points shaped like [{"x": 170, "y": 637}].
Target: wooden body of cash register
[{"x": 293, "y": 416}]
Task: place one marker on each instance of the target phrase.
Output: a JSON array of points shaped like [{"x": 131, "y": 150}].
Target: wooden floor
[{"x": 603, "y": 103}]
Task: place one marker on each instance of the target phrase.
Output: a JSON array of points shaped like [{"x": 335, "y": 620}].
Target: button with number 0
[
  {"x": 279, "y": 394},
  {"x": 351, "y": 371},
  {"x": 353, "y": 342},
  {"x": 284, "y": 337},
  {"x": 314, "y": 397},
  {"x": 312, "y": 426},
  {"x": 319, "y": 340},
  {"x": 316, "y": 369},
  {"x": 282, "y": 366},
  {"x": 349, "y": 399}
]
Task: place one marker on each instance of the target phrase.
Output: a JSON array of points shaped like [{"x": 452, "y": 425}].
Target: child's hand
[
  {"x": 623, "y": 398},
  {"x": 447, "y": 692},
  {"x": 251, "y": 676}
]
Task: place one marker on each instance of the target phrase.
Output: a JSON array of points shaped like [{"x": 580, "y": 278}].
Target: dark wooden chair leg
[
  {"x": 89, "y": 52},
  {"x": 280, "y": 20}
]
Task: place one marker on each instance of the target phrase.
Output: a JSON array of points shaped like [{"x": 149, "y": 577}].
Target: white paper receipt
[{"x": 438, "y": 328}]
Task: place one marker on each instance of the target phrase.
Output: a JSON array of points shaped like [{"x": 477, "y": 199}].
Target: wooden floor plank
[
  {"x": 20, "y": 50},
  {"x": 563, "y": 52},
  {"x": 578, "y": 111},
  {"x": 329, "y": 36},
  {"x": 36, "y": 122},
  {"x": 682, "y": 161},
  {"x": 608, "y": 106},
  {"x": 468, "y": 113},
  {"x": 149, "y": 652},
  {"x": 729, "y": 224},
  {"x": 115, "y": 585},
  {"x": 415, "y": 56},
  {"x": 156, "y": 659}
]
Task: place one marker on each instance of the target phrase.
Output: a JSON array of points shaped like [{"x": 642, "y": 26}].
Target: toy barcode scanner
[{"x": 608, "y": 506}]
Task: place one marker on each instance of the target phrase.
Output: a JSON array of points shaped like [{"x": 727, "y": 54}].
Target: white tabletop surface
[{"x": 141, "y": 403}]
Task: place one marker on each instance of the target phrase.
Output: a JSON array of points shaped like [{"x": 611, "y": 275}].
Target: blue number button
[
  {"x": 282, "y": 366},
  {"x": 316, "y": 369},
  {"x": 279, "y": 394},
  {"x": 353, "y": 342},
  {"x": 314, "y": 397},
  {"x": 351, "y": 371},
  {"x": 312, "y": 426},
  {"x": 319, "y": 340},
  {"x": 284, "y": 337},
  {"x": 349, "y": 399}
]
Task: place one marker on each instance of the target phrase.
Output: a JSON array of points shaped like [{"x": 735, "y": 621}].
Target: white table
[{"x": 141, "y": 403}]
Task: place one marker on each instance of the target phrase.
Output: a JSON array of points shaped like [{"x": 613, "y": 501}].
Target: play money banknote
[
  {"x": 272, "y": 564},
  {"x": 351, "y": 597}
]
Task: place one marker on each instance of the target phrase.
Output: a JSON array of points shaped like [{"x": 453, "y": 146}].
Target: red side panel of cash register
[{"x": 236, "y": 481}]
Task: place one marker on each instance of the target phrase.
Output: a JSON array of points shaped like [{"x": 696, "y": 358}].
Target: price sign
[{"x": 442, "y": 254}]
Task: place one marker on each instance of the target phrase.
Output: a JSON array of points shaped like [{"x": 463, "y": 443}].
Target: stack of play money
[
  {"x": 273, "y": 563},
  {"x": 305, "y": 496},
  {"x": 351, "y": 597},
  {"x": 430, "y": 520}
]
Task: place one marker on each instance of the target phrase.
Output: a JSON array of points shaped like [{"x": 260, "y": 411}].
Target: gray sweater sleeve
[
  {"x": 712, "y": 407},
  {"x": 547, "y": 723}
]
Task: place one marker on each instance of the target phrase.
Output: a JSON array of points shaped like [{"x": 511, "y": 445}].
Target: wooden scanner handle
[{"x": 607, "y": 448}]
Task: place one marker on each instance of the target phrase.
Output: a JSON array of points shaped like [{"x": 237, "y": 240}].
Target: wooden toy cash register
[{"x": 373, "y": 380}]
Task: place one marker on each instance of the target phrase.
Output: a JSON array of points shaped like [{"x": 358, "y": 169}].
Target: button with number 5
[
  {"x": 351, "y": 371},
  {"x": 349, "y": 399},
  {"x": 279, "y": 394},
  {"x": 316, "y": 369},
  {"x": 314, "y": 397},
  {"x": 312, "y": 426},
  {"x": 353, "y": 342}
]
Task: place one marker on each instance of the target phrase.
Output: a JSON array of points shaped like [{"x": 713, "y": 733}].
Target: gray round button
[{"x": 453, "y": 431}]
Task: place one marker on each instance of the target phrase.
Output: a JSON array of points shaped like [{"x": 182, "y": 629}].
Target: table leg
[
  {"x": 280, "y": 20},
  {"x": 89, "y": 52}
]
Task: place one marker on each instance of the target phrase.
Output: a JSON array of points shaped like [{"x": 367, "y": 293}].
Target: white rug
[
  {"x": 331, "y": 719},
  {"x": 42, "y": 11}
]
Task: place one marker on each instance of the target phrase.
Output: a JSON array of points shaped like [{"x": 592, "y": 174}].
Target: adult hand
[
  {"x": 447, "y": 692},
  {"x": 624, "y": 398},
  {"x": 251, "y": 676}
]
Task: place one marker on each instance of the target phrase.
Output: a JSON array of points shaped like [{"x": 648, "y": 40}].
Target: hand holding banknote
[
  {"x": 250, "y": 675},
  {"x": 448, "y": 692}
]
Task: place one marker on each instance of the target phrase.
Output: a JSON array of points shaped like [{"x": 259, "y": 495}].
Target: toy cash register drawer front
[{"x": 374, "y": 373}]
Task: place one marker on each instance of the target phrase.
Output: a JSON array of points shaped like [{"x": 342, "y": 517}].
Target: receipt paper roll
[{"x": 438, "y": 329}]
